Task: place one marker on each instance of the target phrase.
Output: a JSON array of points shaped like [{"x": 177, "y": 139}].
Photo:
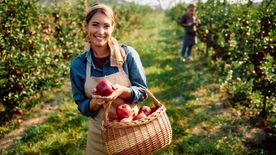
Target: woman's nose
[{"x": 101, "y": 30}]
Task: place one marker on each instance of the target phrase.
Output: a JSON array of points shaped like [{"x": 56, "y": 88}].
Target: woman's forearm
[
  {"x": 137, "y": 94},
  {"x": 187, "y": 25},
  {"x": 94, "y": 106},
  {"x": 125, "y": 92}
]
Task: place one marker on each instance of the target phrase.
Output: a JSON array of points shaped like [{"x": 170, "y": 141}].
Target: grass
[
  {"x": 201, "y": 125},
  {"x": 63, "y": 132},
  {"x": 33, "y": 105}
]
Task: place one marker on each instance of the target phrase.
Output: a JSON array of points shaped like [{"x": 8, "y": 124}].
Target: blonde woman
[
  {"x": 104, "y": 59},
  {"x": 189, "y": 21}
]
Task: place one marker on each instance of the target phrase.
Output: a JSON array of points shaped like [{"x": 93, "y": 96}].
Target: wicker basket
[{"x": 139, "y": 137}]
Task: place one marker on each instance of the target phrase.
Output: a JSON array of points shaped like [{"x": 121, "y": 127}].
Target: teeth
[{"x": 98, "y": 37}]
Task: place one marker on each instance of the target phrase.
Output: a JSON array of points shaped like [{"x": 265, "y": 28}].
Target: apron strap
[
  {"x": 120, "y": 68},
  {"x": 88, "y": 70}
]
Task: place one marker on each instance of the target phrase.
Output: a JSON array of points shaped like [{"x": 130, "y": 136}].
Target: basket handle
[
  {"x": 154, "y": 99},
  {"x": 107, "y": 106}
]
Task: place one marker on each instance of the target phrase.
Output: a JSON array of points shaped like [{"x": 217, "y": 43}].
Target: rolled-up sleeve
[
  {"x": 77, "y": 76},
  {"x": 136, "y": 75}
]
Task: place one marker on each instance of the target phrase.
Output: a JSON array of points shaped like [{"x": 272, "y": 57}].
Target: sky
[{"x": 169, "y": 3}]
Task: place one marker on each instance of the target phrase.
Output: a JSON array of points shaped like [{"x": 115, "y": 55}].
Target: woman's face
[
  {"x": 191, "y": 10},
  {"x": 99, "y": 29}
]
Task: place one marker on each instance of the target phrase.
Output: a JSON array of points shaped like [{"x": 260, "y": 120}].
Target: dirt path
[{"x": 38, "y": 116}]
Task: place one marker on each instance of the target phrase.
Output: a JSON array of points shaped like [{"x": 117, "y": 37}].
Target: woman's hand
[
  {"x": 96, "y": 101},
  {"x": 190, "y": 24},
  {"x": 119, "y": 91}
]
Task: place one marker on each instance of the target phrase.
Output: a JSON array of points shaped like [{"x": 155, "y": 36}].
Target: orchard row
[{"x": 240, "y": 42}]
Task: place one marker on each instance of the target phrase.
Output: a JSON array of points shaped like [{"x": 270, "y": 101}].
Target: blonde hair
[{"x": 102, "y": 8}]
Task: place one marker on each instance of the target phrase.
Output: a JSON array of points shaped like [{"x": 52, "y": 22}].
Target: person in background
[
  {"x": 189, "y": 21},
  {"x": 104, "y": 59}
]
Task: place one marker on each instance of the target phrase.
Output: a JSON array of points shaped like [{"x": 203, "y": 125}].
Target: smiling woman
[
  {"x": 104, "y": 59},
  {"x": 100, "y": 27}
]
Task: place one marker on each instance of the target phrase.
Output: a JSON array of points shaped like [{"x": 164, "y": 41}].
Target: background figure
[{"x": 189, "y": 22}]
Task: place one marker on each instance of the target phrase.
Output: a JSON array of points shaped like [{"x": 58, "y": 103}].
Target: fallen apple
[
  {"x": 139, "y": 116},
  {"x": 145, "y": 109},
  {"x": 124, "y": 111},
  {"x": 104, "y": 88}
]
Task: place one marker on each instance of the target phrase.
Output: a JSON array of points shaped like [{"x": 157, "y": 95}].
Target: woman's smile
[
  {"x": 99, "y": 38},
  {"x": 100, "y": 29}
]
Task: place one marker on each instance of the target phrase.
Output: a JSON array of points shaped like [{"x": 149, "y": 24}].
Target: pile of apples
[
  {"x": 123, "y": 110},
  {"x": 126, "y": 114}
]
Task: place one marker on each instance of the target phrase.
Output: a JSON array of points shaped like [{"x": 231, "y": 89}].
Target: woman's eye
[
  {"x": 94, "y": 24},
  {"x": 107, "y": 26}
]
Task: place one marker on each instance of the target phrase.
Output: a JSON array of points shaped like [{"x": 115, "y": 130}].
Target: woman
[
  {"x": 189, "y": 22},
  {"x": 105, "y": 59}
]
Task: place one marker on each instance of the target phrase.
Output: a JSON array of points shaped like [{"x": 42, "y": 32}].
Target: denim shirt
[{"x": 132, "y": 67}]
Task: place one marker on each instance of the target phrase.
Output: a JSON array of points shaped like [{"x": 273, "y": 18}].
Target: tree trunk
[{"x": 263, "y": 113}]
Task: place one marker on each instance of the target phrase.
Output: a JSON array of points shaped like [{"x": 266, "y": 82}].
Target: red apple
[
  {"x": 140, "y": 116},
  {"x": 145, "y": 109},
  {"x": 124, "y": 111},
  {"x": 104, "y": 88},
  {"x": 17, "y": 71},
  {"x": 20, "y": 86},
  {"x": 128, "y": 119}
]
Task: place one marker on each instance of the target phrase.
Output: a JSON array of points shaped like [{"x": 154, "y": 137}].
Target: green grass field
[{"x": 201, "y": 121}]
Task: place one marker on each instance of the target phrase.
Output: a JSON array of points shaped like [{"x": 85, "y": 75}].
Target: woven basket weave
[{"x": 139, "y": 137}]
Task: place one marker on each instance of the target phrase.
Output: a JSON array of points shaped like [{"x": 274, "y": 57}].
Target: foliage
[
  {"x": 128, "y": 17},
  {"x": 242, "y": 42},
  {"x": 36, "y": 45},
  {"x": 243, "y": 37},
  {"x": 176, "y": 12}
]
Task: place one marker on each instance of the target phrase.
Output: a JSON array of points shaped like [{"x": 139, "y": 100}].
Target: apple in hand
[
  {"x": 124, "y": 110},
  {"x": 104, "y": 88},
  {"x": 145, "y": 109},
  {"x": 140, "y": 116}
]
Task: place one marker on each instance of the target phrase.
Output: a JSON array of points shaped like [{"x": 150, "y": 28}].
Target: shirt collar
[{"x": 88, "y": 57}]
